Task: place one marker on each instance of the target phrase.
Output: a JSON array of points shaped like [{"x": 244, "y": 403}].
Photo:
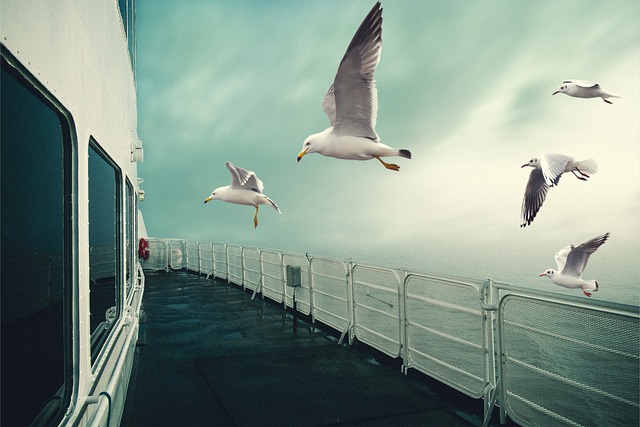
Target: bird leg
[
  {"x": 582, "y": 173},
  {"x": 255, "y": 218},
  {"x": 389, "y": 166},
  {"x": 581, "y": 178},
  {"x": 586, "y": 293},
  {"x": 607, "y": 101}
]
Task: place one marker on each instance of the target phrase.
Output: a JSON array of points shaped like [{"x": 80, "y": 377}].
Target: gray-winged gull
[
  {"x": 245, "y": 189},
  {"x": 571, "y": 262},
  {"x": 351, "y": 104}
]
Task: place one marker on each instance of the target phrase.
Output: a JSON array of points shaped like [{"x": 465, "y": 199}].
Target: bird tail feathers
[
  {"x": 404, "y": 153},
  {"x": 588, "y": 166}
]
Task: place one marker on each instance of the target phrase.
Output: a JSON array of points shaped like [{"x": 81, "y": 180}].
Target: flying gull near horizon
[
  {"x": 585, "y": 89},
  {"x": 547, "y": 170},
  {"x": 351, "y": 104},
  {"x": 571, "y": 261},
  {"x": 245, "y": 189}
]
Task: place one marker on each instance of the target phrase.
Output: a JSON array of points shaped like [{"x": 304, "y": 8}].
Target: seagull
[
  {"x": 547, "y": 170},
  {"x": 245, "y": 189},
  {"x": 351, "y": 104},
  {"x": 571, "y": 262},
  {"x": 585, "y": 89}
]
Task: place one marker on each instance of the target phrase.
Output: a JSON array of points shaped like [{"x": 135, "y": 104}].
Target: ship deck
[{"x": 209, "y": 354}]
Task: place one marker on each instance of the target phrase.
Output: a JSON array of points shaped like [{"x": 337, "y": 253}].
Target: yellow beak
[
  {"x": 302, "y": 153},
  {"x": 207, "y": 199}
]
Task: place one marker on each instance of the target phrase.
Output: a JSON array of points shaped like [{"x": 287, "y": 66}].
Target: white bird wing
[
  {"x": 352, "y": 100},
  {"x": 561, "y": 256},
  {"x": 245, "y": 179},
  {"x": 552, "y": 166},
  {"x": 586, "y": 84},
  {"x": 329, "y": 105},
  {"x": 534, "y": 195},
  {"x": 578, "y": 256}
]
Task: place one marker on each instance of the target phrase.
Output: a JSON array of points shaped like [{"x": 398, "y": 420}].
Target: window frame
[
  {"x": 51, "y": 413},
  {"x": 99, "y": 342},
  {"x": 131, "y": 232}
]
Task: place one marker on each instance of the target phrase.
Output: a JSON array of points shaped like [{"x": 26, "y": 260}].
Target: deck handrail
[{"x": 494, "y": 341}]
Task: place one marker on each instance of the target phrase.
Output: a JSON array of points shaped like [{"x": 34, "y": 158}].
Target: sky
[{"x": 465, "y": 86}]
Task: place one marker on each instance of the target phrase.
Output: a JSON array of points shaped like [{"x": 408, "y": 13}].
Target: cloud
[{"x": 465, "y": 86}]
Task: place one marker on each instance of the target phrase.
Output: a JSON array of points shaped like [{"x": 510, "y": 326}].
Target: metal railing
[{"x": 543, "y": 358}]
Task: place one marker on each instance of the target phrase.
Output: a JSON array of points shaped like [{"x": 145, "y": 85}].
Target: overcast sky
[{"x": 466, "y": 86}]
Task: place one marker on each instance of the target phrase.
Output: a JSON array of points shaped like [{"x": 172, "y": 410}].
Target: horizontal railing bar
[
  {"x": 446, "y": 365},
  {"x": 377, "y": 310},
  {"x": 571, "y": 382},
  {"x": 572, "y": 340},
  {"x": 340, "y": 285},
  {"x": 447, "y": 336},
  {"x": 446, "y": 304}
]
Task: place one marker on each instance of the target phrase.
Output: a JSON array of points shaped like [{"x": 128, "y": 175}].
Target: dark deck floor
[{"x": 209, "y": 355}]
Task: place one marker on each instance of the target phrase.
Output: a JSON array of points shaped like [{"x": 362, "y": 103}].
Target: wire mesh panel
[
  {"x": 376, "y": 302},
  {"x": 234, "y": 264},
  {"x": 330, "y": 292},
  {"x": 272, "y": 277},
  {"x": 252, "y": 273},
  {"x": 158, "y": 255},
  {"x": 177, "y": 252},
  {"x": 303, "y": 293},
  {"x": 444, "y": 332},
  {"x": 568, "y": 365},
  {"x": 193, "y": 257},
  {"x": 205, "y": 257},
  {"x": 220, "y": 260}
]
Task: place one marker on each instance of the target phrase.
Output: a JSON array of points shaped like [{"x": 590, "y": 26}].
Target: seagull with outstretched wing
[{"x": 245, "y": 189}]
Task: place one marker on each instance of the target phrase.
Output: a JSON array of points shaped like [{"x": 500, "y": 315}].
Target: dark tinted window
[
  {"x": 104, "y": 244},
  {"x": 35, "y": 252},
  {"x": 128, "y": 16}
]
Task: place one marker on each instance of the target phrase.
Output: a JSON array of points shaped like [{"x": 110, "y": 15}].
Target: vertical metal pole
[
  {"x": 261, "y": 278},
  {"x": 295, "y": 312},
  {"x": 226, "y": 257},
  {"x": 311, "y": 289},
  {"x": 242, "y": 266},
  {"x": 404, "y": 351},
  {"x": 350, "y": 300},
  {"x": 283, "y": 273}
]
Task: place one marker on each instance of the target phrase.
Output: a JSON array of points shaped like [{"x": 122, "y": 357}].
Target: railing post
[
  {"x": 350, "y": 300},
  {"x": 213, "y": 259},
  {"x": 312, "y": 306},
  {"x": 489, "y": 307},
  {"x": 242, "y": 267},
  {"x": 167, "y": 254},
  {"x": 226, "y": 257},
  {"x": 281, "y": 256},
  {"x": 283, "y": 281},
  {"x": 404, "y": 350}
]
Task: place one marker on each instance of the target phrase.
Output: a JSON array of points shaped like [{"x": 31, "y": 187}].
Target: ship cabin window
[
  {"x": 128, "y": 16},
  {"x": 105, "y": 222},
  {"x": 36, "y": 251}
]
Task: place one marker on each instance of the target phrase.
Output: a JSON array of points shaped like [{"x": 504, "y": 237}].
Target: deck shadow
[{"x": 310, "y": 387}]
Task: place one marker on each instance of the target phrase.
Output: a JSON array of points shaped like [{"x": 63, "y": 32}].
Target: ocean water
[{"x": 620, "y": 285}]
